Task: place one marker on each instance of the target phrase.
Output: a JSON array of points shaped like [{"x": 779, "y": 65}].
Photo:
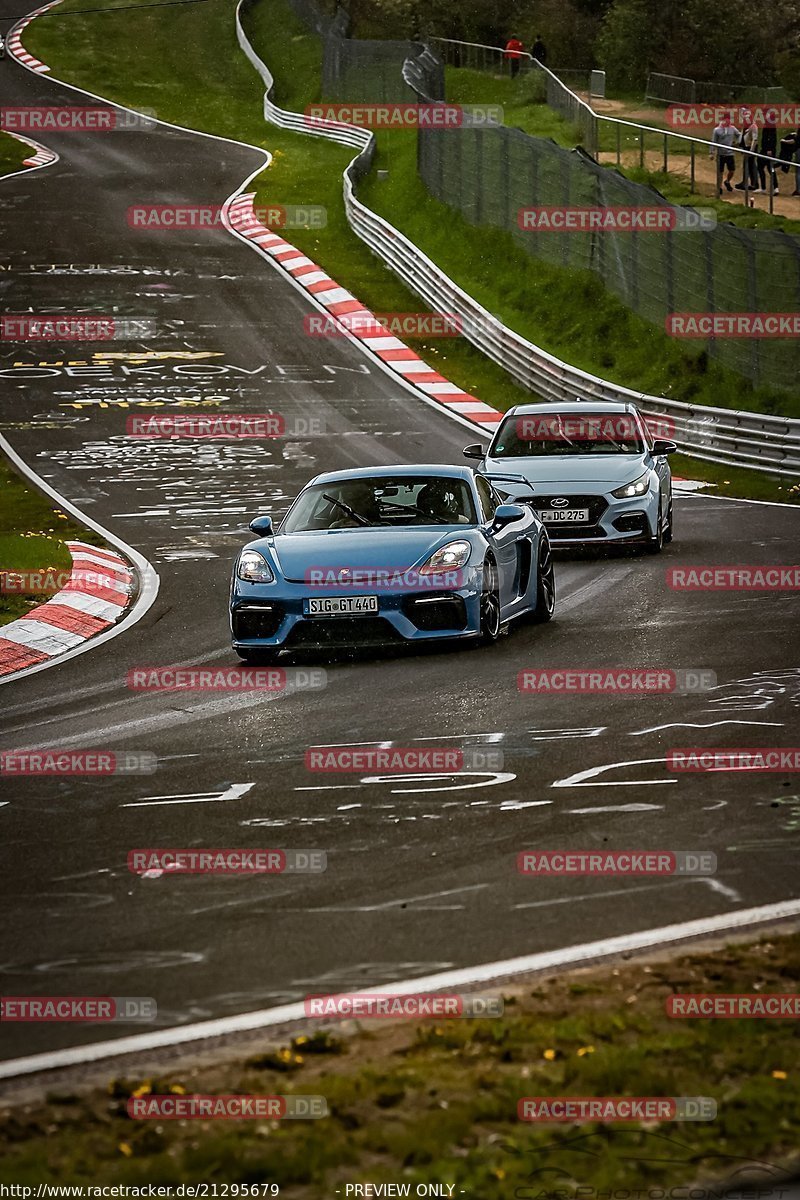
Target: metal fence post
[
  {"x": 752, "y": 300},
  {"x": 478, "y": 187}
]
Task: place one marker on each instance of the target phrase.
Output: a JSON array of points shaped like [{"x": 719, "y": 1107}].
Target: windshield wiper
[
  {"x": 421, "y": 512},
  {"x": 351, "y": 512}
]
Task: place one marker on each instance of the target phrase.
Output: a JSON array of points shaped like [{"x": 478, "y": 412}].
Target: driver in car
[
  {"x": 438, "y": 501},
  {"x": 360, "y": 497}
]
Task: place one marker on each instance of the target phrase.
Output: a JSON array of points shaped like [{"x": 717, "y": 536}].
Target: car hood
[
  {"x": 563, "y": 470},
  {"x": 381, "y": 549}
]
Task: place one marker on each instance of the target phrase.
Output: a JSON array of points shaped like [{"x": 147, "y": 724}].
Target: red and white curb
[
  {"x": 338, "y": 302},
  {"x": 14, "y": 43},
  {"x": 97, "y": 594},
  {"x": 42, "y": 156}
]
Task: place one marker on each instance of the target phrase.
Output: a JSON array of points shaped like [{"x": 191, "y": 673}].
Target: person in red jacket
[{"x": 513, "y": 53}]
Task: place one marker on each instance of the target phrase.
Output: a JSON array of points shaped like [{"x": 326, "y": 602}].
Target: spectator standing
[
  {"x": 769, "y": 149},
  {"x": 539, "y": 50},
  {"x": 723, "y": 139},
  {"x": 513, "y": 53},
  {"x": 749, "y": 141},
  {"x": 790, "y": 146}
]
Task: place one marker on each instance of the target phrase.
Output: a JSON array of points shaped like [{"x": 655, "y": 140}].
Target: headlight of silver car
[
  {"x": 637, "y": 488},
  {"x": 253, "y": 567},
  {"x": 447, "y": 558}
]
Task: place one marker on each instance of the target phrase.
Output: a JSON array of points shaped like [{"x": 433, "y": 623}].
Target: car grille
[
  {"x": 432, "y": 612},
  {"x": 256, "y": 621},
  {"x": 635, "y": 522},
  {"x": 343, "y": 631},
  {"x": 596, "y": 505}
]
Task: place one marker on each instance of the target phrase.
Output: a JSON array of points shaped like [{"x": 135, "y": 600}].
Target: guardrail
[{"x": 728, "y": 436}]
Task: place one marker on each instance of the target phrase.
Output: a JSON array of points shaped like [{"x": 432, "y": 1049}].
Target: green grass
[
  {"x": 737, "y": 481},
  {"x": 32, "y": 537},
  {"x": 12, "y": 154},
  {"x": 523, "y": 108},
  {"x": 674, "y": 189},
  {"x": 522, "y": 100},
  {"x": 566, "y": 312},
  {"x": 436, "y": 1101},
  {"x": 214, "y": 88}
]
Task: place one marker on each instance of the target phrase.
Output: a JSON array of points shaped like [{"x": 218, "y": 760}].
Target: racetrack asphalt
[{"x": 421, "y": 872}]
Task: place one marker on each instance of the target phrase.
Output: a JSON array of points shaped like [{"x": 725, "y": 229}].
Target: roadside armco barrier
[{"x": 728, "y": 436}]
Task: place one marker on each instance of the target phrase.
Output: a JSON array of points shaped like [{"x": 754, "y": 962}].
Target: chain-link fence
[
  {"x": 366, "y": 71},
  {"x": 318, "y": 21},
  {"x": 675, "y": 89},
  {"x": 491, "y": 174},
  {"x": 355, "y": 70}
]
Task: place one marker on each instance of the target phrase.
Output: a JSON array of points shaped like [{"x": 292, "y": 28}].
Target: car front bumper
[
  {"x": 611, "y": 521},
  {"x": 272, "y": 615}
]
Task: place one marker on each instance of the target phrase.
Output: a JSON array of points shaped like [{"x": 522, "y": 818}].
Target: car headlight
[
  {"x": 637, "y": 488},
  {"x": 447, "y": 558},
  {"x": 253, "y": 567}
]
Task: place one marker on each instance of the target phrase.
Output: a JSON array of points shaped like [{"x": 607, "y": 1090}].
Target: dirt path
[{"x": 785, "y": 204}]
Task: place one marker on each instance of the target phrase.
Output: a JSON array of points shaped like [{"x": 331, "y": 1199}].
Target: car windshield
[
  {"x": 401, "y": 500},
  {"x": 532, "y": 435}
]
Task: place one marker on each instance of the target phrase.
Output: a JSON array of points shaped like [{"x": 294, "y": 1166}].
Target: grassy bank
[
  {"x": 32, "y": 537},
  {"x": 214, "y": 88},
  {"x": 566, "y": 312},
  {"x": 523, "y": 108},
  {"x": 12, "y": 154},
  {"x": 436, "y": 1101}
]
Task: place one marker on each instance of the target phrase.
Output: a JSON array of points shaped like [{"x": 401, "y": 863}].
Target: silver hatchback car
[{"x": 592, "y": 470}]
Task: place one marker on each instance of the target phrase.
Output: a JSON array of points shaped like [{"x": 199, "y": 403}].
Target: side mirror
[
  {"x": 507, "y": 514},
  {"x": 663, "y": 446},
  {"x": 475, "y": 451},
  {"x": 262, "y": 526}
]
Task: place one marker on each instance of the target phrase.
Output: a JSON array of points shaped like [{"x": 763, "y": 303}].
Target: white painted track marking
[
  {"x": 581, "y": 778},
  {"x": 232, "y": 793},
  {"x": 548, "y": 960}
]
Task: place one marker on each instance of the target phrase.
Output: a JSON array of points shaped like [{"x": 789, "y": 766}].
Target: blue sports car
[{"x": 387, "y": 555}]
